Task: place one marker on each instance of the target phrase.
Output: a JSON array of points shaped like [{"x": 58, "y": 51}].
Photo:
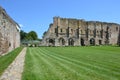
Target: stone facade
[
  {"x": 9, "y": 33},
  {"x": 76, "y": 32}
]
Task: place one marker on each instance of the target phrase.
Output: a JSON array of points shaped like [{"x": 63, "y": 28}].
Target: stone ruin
[
  {"x": 9, "y": 33},
  {"x": 78, "y": 32}
]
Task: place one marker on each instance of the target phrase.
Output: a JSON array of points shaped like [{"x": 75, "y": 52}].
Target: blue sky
[{"x": 38, "y": 14}]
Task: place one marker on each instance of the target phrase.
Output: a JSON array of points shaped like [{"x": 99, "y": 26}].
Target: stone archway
[
  {"x": 100, "y": 42},
  {"x": 70, "y": 42},
  {"x": 51, "y": 42},
  {"x": 92, "y": 41},
  {"x": 82, "y": 42},
  {"x": 61, "y": 42}
]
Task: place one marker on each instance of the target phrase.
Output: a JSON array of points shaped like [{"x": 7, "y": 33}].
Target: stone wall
[
  {"x": 9, "y": 33},
  {"x": 76, "y": 32}
]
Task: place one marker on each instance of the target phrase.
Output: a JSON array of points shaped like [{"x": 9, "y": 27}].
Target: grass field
[
  {"x": 7, "y": 59},
  {"x": 72, "y": 63}
]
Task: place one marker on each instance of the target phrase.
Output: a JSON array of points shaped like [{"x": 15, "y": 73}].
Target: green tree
[
  {"x": 23, "y": 35},
  {"x": 32, "y": 35}
]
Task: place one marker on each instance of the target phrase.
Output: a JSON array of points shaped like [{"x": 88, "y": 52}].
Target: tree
[
  {"x": 32, "y": 35},
  {"x": 23, "y": 35}
]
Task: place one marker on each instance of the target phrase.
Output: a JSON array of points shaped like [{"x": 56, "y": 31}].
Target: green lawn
[
  {"x": 6, "y": 60},
  {"x": 72, "y": 63}
]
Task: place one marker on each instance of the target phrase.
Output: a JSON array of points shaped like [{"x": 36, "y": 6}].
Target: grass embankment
[
  {"x": 72, "y": 63},
  {"x": 7, "y": 59}
]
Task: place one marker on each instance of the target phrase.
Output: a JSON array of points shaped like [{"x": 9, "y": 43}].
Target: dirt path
[{"x": 14, "y": 71}]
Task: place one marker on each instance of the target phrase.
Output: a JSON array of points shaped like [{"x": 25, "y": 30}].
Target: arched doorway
[
  {"x": 82, "y": 42},
  {"x": 61, "y": 41},
  {"x": 92, "y": 41},
  {"x": 100, "y": 42},
  {"x": 51, "y": 42},
  {"x": 71, "y": 42}
]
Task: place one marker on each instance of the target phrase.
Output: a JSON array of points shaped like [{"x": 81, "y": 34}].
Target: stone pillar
[
  {"x": 66, "y": 42},
  {"x": 56, "y": 42},
  {"x": 76, "y": 42}
]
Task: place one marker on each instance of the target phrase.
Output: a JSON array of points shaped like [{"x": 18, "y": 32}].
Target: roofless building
[
  {"x": 9, "y": 33},
  {"x": 78, "y": 32}
]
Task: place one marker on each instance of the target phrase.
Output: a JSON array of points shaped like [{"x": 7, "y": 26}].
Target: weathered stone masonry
[
  {"x": 9, "y": 33},
  {"x": 75, "y": 32}
]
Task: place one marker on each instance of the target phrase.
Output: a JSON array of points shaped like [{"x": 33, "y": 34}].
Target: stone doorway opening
[
  {"x": 100, "y": 42},
  {"x": 61, "y": 42},
  {"x": 51, "y": 42},
  {"x": 92, "y": 41},
  {"x": 70, "y": 42},
  {"x": 82, "y": 42}
]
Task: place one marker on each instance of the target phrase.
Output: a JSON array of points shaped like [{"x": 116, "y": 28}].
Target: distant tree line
[{"x": 32, "y": 35}]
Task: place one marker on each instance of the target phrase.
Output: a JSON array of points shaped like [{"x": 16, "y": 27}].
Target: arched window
[{"x": 116, "y": 28}]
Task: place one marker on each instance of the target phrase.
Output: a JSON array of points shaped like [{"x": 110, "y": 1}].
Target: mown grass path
[{"x": 72, "y": 63}]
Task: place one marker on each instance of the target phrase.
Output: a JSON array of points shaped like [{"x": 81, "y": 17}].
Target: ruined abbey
[
  {"x": 9, "y": 33},
  {"x": 76, "y": 32}
]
